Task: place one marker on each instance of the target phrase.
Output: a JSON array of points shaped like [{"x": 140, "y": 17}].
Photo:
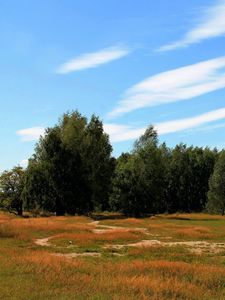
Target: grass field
[{"x": 178, "y": 256}]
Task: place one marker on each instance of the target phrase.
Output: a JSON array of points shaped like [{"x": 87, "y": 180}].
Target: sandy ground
[
  {"x": 197, "y": 247},
  {"x": 194, "y": 246}
]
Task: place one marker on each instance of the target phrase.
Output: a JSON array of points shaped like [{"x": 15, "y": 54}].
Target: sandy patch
[
  {"x": 44, "y": 242},
  {"x": 108, "y": 229},
  {"x": 73, "y": 255},
  {"x": 197, "y": 247}
]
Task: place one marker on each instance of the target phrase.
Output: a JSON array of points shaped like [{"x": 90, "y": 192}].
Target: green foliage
[
  {"x": 11, "y": 186},
  {"x": 72, "y": 171},
  {"x": 72, "y": 167},
  {"x": 189, "y": 172},
  {"x": 154, "y": 179},
  {"x": 38, "y": 190},
  {"x": 140, "y": 178},
  {"x": 98, "y": 163},
  {"x": 149, "y": 137},
  {"x": 216, "y": 194}
]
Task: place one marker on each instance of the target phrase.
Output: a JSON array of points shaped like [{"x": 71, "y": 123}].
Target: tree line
[{"x": 72, "y": 171}]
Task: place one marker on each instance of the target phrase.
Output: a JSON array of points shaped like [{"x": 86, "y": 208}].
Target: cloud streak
[
  {"x": 92, "y": 60},
  {"x": 187, "y": 123},
  {"x": 30, "y": 134},
  {"x": 174, "y": 85},
  {"x": 211, "y": 25},
  {"x": 120, "y": 133}
]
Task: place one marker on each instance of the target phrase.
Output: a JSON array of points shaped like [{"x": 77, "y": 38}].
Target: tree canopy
[
  {"x": 72, "y": 166},
  {"x": 11, "y": 187},
  {"x": 216, "y": 194},
  {"x": 72, "y": 171}
]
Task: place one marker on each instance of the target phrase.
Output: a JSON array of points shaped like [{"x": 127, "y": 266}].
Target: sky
[{"x": 132, "y": 63}]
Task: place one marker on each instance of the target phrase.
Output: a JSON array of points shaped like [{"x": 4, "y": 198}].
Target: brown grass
[
  {"x": 193, "y": 216},
  {"x": 129, "y": 222},
  {"x": 47, "y": 224},
  {"x": 144, "y": 273},
  {"x": 88, "y": 238},
  {"x": 140, "y": 279},
  {"x": 197, "y": 232}
]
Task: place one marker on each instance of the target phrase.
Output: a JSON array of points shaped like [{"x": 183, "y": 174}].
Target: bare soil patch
[{"x": 197, "y": 247}]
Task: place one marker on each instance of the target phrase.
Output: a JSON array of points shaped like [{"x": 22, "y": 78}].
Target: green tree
[
  {"x": 98, "y": 163},
  {"x": 127, "y": 194},
  {"x": 216, "y": 194},
  {"x": 140, "y": 177},
  {"x": 38, "y": 190},
  {"x": 91, "y": 144},
  {"x": 189, "y": 172},
  {"x": 11, "y": 187},
  {"x": 58, "y": 164},
  {"x": 73, "y": 166}
]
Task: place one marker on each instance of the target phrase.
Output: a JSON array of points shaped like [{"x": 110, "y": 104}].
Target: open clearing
[{"x": 178, "y": 256}]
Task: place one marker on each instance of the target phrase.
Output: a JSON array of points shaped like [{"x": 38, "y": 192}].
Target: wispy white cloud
[
  {"x": 93, "y": 60},
  {"x": 119, "y": 133},
  {"x": 183, "y": 124},
  {"x": 208, "y": 128},
  {"x": 211, "y": 25},
  {"x": 30, "y": 134},
  {"x": 175, "y": 85},
  {"x": 24, "y": 163}
]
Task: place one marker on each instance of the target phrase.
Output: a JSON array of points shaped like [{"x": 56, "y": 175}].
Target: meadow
[{"x": 179, "y": 256}]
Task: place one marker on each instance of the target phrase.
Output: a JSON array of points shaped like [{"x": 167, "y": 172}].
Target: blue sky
[{"x": 133, "y": 63}]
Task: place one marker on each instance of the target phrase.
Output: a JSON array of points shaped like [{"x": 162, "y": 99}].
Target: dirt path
[
  {"x": 45, "y": 242},
  {"x": 197, "y": 247},
  {"x": 73, "y": 255},
  {"x": 109, "y": 229}
]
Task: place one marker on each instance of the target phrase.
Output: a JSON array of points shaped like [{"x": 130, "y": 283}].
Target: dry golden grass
[
  {"x": 193, "y": 216},
  {"x": 129, "y": 222},
  {"x": 129, "y": 279},
  {"x": 31, "y": 272},
  {"x": 182, "y": 232},
  {"x": 4, "y": 217},
  {"x": 45, "y": 260},
  {"x": 197, "y": 232},
  {"x": 47, "y": 224},
  {"x": 88, "y": 238}
]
